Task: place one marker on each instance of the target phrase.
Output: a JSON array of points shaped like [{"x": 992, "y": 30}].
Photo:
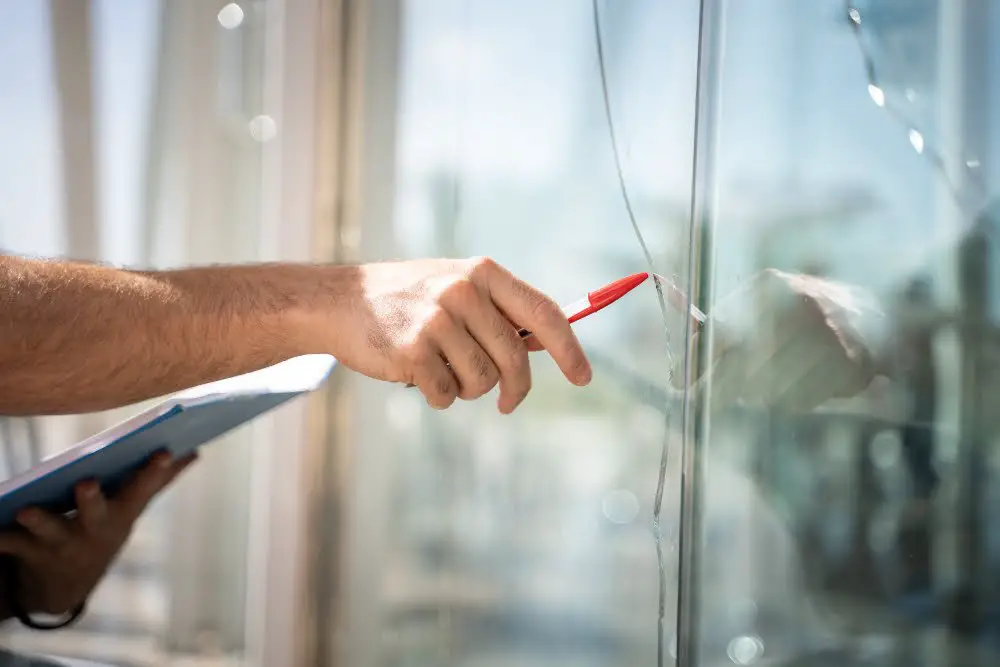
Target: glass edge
[{"x": 694, "y": 421}]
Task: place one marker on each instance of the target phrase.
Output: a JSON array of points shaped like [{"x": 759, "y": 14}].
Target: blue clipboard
[{"x": 180, "y": 424}]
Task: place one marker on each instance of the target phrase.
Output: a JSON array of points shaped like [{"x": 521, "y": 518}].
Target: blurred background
[{"x": 853, "y": 141}]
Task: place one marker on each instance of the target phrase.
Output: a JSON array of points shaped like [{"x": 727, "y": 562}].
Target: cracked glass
[
  {"x": 800, "y": 476},
  {"x": 844, "y": 461},
  {"x": 557, "y": 138}
]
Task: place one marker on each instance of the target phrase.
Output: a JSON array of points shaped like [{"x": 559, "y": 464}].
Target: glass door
[
  {"x": 557, "y": 138},
  {"x": 845, "y": 458}
]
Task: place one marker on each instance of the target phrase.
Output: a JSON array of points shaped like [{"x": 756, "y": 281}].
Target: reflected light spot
[
  {"x": 855, "y": 15},
  {"x": 231, "y": 16},
  {"x": 911, "y": 95},
  {"x": 972, "y": 164},
  {"x": 745, "y": 650},
  {"x": 917, "y": 140},
  {"x": 885, "y": 449},
  {"x": 877, "y": 94},
  {"x": 263, "y": 128},
  {"x": 620, "y": 506}
]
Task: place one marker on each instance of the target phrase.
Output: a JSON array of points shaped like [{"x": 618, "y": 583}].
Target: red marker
[{"x": 598, "y": 299}]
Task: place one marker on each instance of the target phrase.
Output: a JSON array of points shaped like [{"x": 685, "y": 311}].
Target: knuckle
[
  {"x": 481, "y": 265},
  {"x": 415, "y": 352},
  {"x": 435, "y": 321},
  {"x": 483, "y": 379},
  {"x": 546, "y": 312},
  {"x": 460, "y": 292}
]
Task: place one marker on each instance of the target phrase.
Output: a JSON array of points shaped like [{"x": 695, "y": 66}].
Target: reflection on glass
[
  {"x": 845, "y": 457},
  {"x": 529, "y": 540},
  {"x": 901, "y": 49}
]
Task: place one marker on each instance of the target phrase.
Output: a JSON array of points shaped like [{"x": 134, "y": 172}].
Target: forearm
[{"x": 79, "y": 337}]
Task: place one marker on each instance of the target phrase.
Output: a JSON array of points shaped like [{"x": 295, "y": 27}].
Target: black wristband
[{"x": 11, "y": 579}]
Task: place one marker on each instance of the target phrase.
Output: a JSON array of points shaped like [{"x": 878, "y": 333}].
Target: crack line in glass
[
  {"x": 658, "y": 282},
  {"x": 917, "y": 137}
]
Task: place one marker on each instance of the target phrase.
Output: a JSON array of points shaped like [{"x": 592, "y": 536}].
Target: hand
[
  {"x": 810, "y": 341},
  {"x": 450, "y": 328},
  {"x": 61, "y": 559}
]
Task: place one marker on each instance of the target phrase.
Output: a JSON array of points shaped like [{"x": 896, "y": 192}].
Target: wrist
[
  {"x": 16, "y": 604},
  {"x": 325, "y": 298}
]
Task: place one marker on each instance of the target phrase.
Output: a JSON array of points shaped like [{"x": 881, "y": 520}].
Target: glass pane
[
  {"x": 846, "y": 456},
  {"x": 129, "y": 137},
  {"x": 528, "y": 539}
]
